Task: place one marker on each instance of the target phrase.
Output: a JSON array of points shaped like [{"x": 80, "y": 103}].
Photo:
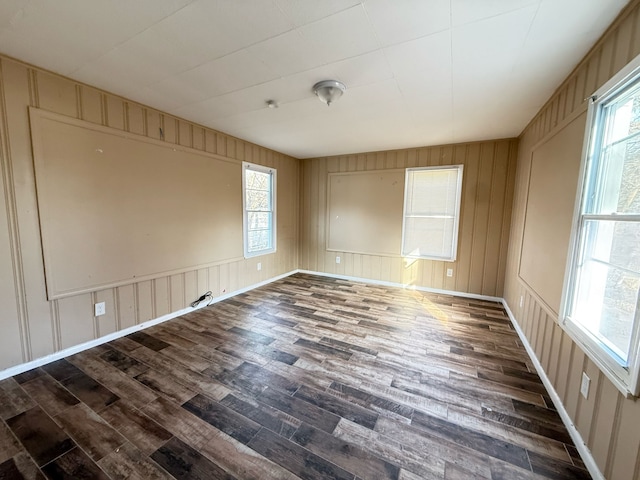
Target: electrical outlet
[
  {"x": 521, "y": 301},
  {"x": 100, "y": 308},
  {"x": 584, "y": 386},
  {"x": 259, "y": 266},
  {"x": 337, "y": 259},
  {"x": 449, "y": 272}
]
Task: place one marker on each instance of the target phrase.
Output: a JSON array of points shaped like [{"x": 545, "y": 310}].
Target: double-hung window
[
  {"x": 601, "y": 301},
  {"x": 259, "y": 209},
  {"x": 431, "y": 212}
]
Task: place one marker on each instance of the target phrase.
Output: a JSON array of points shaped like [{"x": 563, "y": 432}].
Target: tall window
[
  {"x": 601, "y": 290},
  {"x": 259, "y": 203},
  {"x": 431, "y": 212}
]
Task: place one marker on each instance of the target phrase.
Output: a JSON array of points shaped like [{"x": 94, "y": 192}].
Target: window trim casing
[
  {"x": 245, "y": 231},
  {"x": 626, "y": 380},
  {"x": 456, "y": 228}
]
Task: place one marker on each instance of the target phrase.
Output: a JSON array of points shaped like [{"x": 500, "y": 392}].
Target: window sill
[{"x": 594, "y": 355}]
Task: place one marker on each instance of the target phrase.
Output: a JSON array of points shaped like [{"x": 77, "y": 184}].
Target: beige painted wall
[
  {"x": 487, "y": 191},
  {"x": 609, "y": 423},
  {"x": 32, "y": 327}
]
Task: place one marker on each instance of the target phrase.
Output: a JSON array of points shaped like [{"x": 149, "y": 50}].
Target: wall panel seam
[
  {"x": 116, "y": 308},
  {"x": 489, "y": 214},
  {"x": 581, "y": 399},
  {"x": 13, "y": 227},
  {"x": 596, "y": 410},
  {"x": 568, "y": 375},
  {"x": 79, "y": 113},
  {"x": 634, "y": 32},
  {"x": 613, "y": 445}
]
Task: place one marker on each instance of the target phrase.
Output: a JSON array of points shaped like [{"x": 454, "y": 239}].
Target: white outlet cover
[
  {"x": 100, "y": 309},
  {"x": 259, "y": 266},
  {"x": 584, "y": 386},
  {"x": 337, "y": 259},
  {"x": 449, "y": 272}
]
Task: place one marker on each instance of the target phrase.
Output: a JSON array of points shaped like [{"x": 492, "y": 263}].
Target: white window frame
[
  {"x": 245, "y": 213},
  {"x": 456, "y": 216},
  {"x": 625, "y": 377}
]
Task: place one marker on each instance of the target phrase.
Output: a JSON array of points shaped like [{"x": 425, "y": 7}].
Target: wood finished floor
[{"x": 308, "y": 377}]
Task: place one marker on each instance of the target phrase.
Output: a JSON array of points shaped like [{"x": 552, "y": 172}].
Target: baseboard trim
[
  {"x": 584, "y": 451},
  {"x": 404, "y": 285},
  {"x": 38, "y": 362}
]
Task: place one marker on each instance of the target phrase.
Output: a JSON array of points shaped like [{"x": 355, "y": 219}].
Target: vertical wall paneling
[
  {"x": 126, "y": 306},
  {"x": 136, "y": 119},
  {"x": 467, "y": 213},
  {"x": 487, "y": 192},
  {"x": 198, "y": 138},
  {"x": 606, "y": 420},
  {"x": 114, "y": 112},
  {"x": 176, "y": 293},
  {"x": 144, "y": 301},
  {"x": 107, "y": 323},
  {"x": 221, "y": 145},
  {"x": 57, "y": 94},
  {"x": 625, "y": 456},
  {"x": 90, "y": 104},
  {"x": 22, "y": 88},
  {"x": 33, "y": 327},
  {"x": 14, "y": 340},
  {"x": 154, "y": 124},
  {"x": 190, "y": 290},
  {"x": 77, "y": 323},
  {"x": 169, "y": 129}
]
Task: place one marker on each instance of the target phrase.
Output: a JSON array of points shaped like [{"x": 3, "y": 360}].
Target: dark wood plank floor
[{"x": 308, "y": 377}]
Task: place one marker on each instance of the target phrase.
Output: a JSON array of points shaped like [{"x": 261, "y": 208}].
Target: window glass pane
[
  {"x": 259, "y": 206},
  {"x": 606, "y": 295},
  {"x": 431, "y": 237},
  {"x": 258, "y": 240},
  {"x": 258, "y": 200},
  {"x": 258, "y": 180},
  {"x": 432, "y": 199},
  {"x": 619, "y": 179},
  {"x": 603, "y": 282},
  {"x": 258, "y": 220},
  {"x": 432, "y": 192},
  {"x": 623, "y": 116}
]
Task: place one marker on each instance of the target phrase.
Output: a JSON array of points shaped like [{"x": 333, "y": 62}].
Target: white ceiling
[{"x": 418, "y": 72}]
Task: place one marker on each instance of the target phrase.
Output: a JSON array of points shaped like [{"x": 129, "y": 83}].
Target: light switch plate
[
  {"x": 100, "y": 309},
  {"x": 259, "y": 266},
  {"x": 337, "y": 259}
]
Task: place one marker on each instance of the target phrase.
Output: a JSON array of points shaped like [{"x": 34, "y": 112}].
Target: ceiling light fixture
[{"x": 329, "y": 91}]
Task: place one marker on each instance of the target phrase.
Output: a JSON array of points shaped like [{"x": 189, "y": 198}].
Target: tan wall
[
  {"x": 32, "y": 327},
  {"x": 607, "y": 421},
  {"x": 489, "y": 171}
]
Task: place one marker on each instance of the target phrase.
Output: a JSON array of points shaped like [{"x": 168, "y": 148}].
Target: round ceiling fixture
[{"x": 329, "y": 90}]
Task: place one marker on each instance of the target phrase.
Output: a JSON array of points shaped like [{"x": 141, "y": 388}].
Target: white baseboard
[
  {"x": 584, "y": 451},
  {"x": 405, "y": 286},
  {"x": 23, "y": 367}
]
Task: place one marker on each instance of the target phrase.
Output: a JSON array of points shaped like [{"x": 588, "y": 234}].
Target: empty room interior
[{"x": 346, "y": 239}]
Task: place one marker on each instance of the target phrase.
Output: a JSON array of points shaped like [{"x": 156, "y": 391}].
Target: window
[
  {"x": 259, "y": 205},
  {"x": 431, "y": 212},
  {"x": 600, "y": 305}
]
